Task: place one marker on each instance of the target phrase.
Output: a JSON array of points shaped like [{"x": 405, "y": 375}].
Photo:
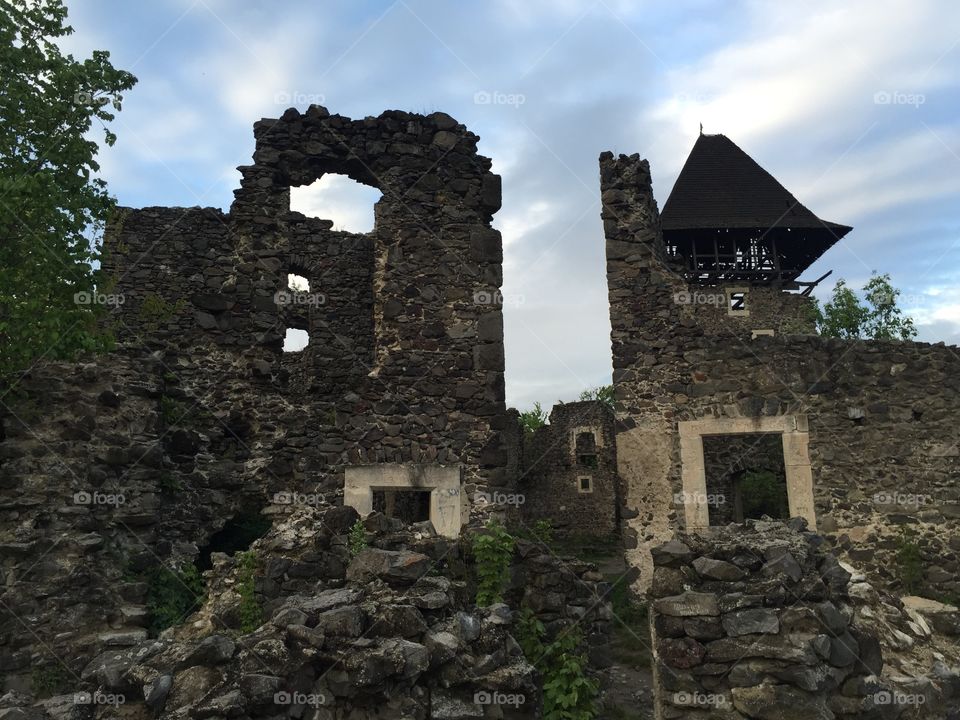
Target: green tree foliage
[
  {"x": 531, "y": 420},
  {"x": 604, "y": 394},
  {"x": 52, "y": 207},
  {"x": 877, "y": 317}
]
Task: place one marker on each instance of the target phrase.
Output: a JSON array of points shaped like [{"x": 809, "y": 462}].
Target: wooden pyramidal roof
[{"x": 720, "y": 186}]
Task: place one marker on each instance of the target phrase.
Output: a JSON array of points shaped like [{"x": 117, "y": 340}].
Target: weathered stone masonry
[
  {"x": 401, "y": 354},
  {"x": 761, "y": 621},
  {"x": 866, "y": 418},
  {"x": 199, "y": 416},
  {"x": 570, "y": 472}
]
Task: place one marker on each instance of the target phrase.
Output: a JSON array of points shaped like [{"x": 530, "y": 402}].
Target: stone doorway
[
  {"x": 794, "y": 441},
  {"x": 745, "y": 477}
]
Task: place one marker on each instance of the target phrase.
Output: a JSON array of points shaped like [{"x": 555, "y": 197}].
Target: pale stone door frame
[
  {"x": 442, "y": 481},
  {"x": 796, "y": 462}
]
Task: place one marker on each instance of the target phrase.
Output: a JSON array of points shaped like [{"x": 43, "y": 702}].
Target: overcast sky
[{"x": 852, "y": 106}]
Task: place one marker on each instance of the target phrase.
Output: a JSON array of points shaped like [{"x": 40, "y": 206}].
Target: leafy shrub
[
  {"x": 909, "y": 561},
  {"x": 529, "y": 632},
  {"x": 172, "y": 595},
  {"x": 604, "y": 394},
  {"x": 543, "y": 531},
  {"x": 568, "y": 694},
  {"x": 764, "y": 493},
  {"x": 533, "y": 420},
  {"x": 492, "y": 551}
]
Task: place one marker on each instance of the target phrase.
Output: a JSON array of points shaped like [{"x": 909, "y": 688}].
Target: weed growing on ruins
[
  {"x": 171, "y": 411},
  {"x": 169, "y": 483},
  {"x": 543, "y": 532},
  {"x": 156, "y": 311},
  {"x": 568, "y": 694},
  {"x": 47, "y": 680},
  {"x": 172, "y": 595},
  {"x": 358, "y": 539},
  {"x": 492, "y": 551},
  {"x": 251, "y": 614},
  {"x": 176, "y": 413},
  {"x": 909, "y": 561},
  {"x": 604, "y": 394}
]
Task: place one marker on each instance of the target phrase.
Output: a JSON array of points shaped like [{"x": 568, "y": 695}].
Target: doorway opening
[{"x": 745, "y": 477}]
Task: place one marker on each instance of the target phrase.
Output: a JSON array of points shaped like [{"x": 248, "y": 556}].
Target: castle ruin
[{"x": 393, "y": 419}]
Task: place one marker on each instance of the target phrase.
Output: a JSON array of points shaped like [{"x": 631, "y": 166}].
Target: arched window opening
[
  {"x": 297, "y": 283},
  {"x": 346, "y": 202}
]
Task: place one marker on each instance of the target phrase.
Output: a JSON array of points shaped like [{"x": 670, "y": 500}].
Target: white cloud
[{"x": 793, "y": 84}]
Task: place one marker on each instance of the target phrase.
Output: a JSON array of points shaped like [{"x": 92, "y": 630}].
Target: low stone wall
[{"x": 756, "y": 621}]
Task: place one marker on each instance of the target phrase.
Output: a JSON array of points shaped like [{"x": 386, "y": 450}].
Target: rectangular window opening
[{"x": 410, "y": 506}]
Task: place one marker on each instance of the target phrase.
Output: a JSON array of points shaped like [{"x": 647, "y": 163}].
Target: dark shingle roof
[{"x": 720, "y": 186}]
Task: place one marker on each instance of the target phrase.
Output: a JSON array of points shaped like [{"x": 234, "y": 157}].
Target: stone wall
[
  {"x": 406, "y": 333},
  {"x": 757, "y": 621},
  {"x": 882, "y": 416},
  {"x": 198, "y": 417},
  {"x": 569, "y": 476},
  {"x": 112, "y": 469}
]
